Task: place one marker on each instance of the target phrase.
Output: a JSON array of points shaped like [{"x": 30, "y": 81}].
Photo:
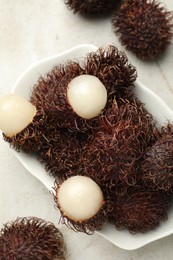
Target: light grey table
[{"x": 32, "y": 30}]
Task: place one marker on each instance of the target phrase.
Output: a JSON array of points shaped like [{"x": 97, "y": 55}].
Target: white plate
[{"x": 154, "y": 104}]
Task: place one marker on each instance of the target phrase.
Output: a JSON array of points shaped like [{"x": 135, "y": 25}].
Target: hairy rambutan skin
[
  {"x": 165, "y": 131},
  {"x": 157, "y": 164},
  {"x": 87, "y": 226},
  {"x": 61, "y": 154},
  {"x": 92, "y": 7},
  {"x": 31, "y": 239},
  {"x": 108, "y": 64},
  {"x": 145, "y": 27},
  {"x": 140, "y": 210},
  {"x": 113, "y": 69},
  {"x": 112, "y": 156}
]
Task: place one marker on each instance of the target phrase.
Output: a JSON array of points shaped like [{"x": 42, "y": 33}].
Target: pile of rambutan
[{"x": 109, "y": 159}]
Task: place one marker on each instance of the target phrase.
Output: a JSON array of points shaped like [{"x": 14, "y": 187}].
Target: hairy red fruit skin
[
  {"x": 113, "y": 154},
  {"x": 61, "y": 154},
  {"x": 31, "y": 239},
  {"x": 145, "y": 27},
  {"x": 157, "y": 164},
  {"x": 140, "y": 210}
]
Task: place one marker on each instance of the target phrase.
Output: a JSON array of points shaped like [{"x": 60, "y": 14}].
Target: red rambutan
[
  {"x": 140, "y": 210},
  {"x": 92, "y": 7},
  {"x": 112, "y": 155},
  {"x": 31, "y": 238},
  {"x": 61, "y": 153},
  {"x": 157, "y": 164},
  {"x": 144, "y": 27}
]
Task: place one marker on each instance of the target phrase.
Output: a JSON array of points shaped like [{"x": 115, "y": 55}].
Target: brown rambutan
[
  {"x": 112, "y": 155},
  {"x": 92, "y": 7},
  {"x": 109, "y": 65},
  {"x": 140, "y": 210},
  {"x": 31, "y": 238},
  {"x": 157, "y": 164},
  {"x": 144, "y": 27},
  {"x": 82, "y": 204}
]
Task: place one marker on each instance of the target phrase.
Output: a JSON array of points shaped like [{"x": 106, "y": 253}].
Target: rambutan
[
  {"x": 82, "y": 204},
  {"x": 92, "y": 7},
  {"x": 144, "y": 27},
  {"x": 112, "y": 155},
  {"x": 157, "y": 164},
  {"x": 31, "y": 238},
  {"x": 22, "y": 124},
  {"x": 109, "y": 65},
  {"x": 60, "y": 155},
  {"x": 114, "y": 70},
  {"x": 30, "y": 139},
  {"x": 140, "y": 210}
]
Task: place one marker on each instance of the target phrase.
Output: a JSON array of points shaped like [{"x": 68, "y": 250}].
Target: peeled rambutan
[
  {"x": 92, "y": 7},
  {"x": 22, "y": 124},
  {"x": 110, "y": 66},
  {"x": 30, "y": 139},
  {"x": 112, "y": 155},
  {"x": 157, "y": 164},
  {"x": 144, "y": 27},
  {"x": 82, "y": 204},
  {"x": 140, "y": 210},
  {"x": 31, "y": 238}
]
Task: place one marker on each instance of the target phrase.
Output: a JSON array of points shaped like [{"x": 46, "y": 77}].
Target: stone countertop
[{"x": 32, "y": 30}]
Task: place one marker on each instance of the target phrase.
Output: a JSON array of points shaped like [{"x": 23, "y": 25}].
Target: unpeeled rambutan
[
  {"x": 92, "y": 7},
  {"x": 31, "y": 238},
  {"x": 114, "y": 70},
  {"x": 144, "y": 27},
  {"x": 140, "y": 210},
  {"x": 60, "y": 154},
  {"x": 112, "y": 155},
  {"x": 157, "y": 164}
]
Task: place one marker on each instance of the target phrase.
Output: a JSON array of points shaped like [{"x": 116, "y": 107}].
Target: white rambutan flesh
[
  {"x": 16, "y": 113},
  {"x": 87, "y": 96},
  {"x": 79, "y": 198}
]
